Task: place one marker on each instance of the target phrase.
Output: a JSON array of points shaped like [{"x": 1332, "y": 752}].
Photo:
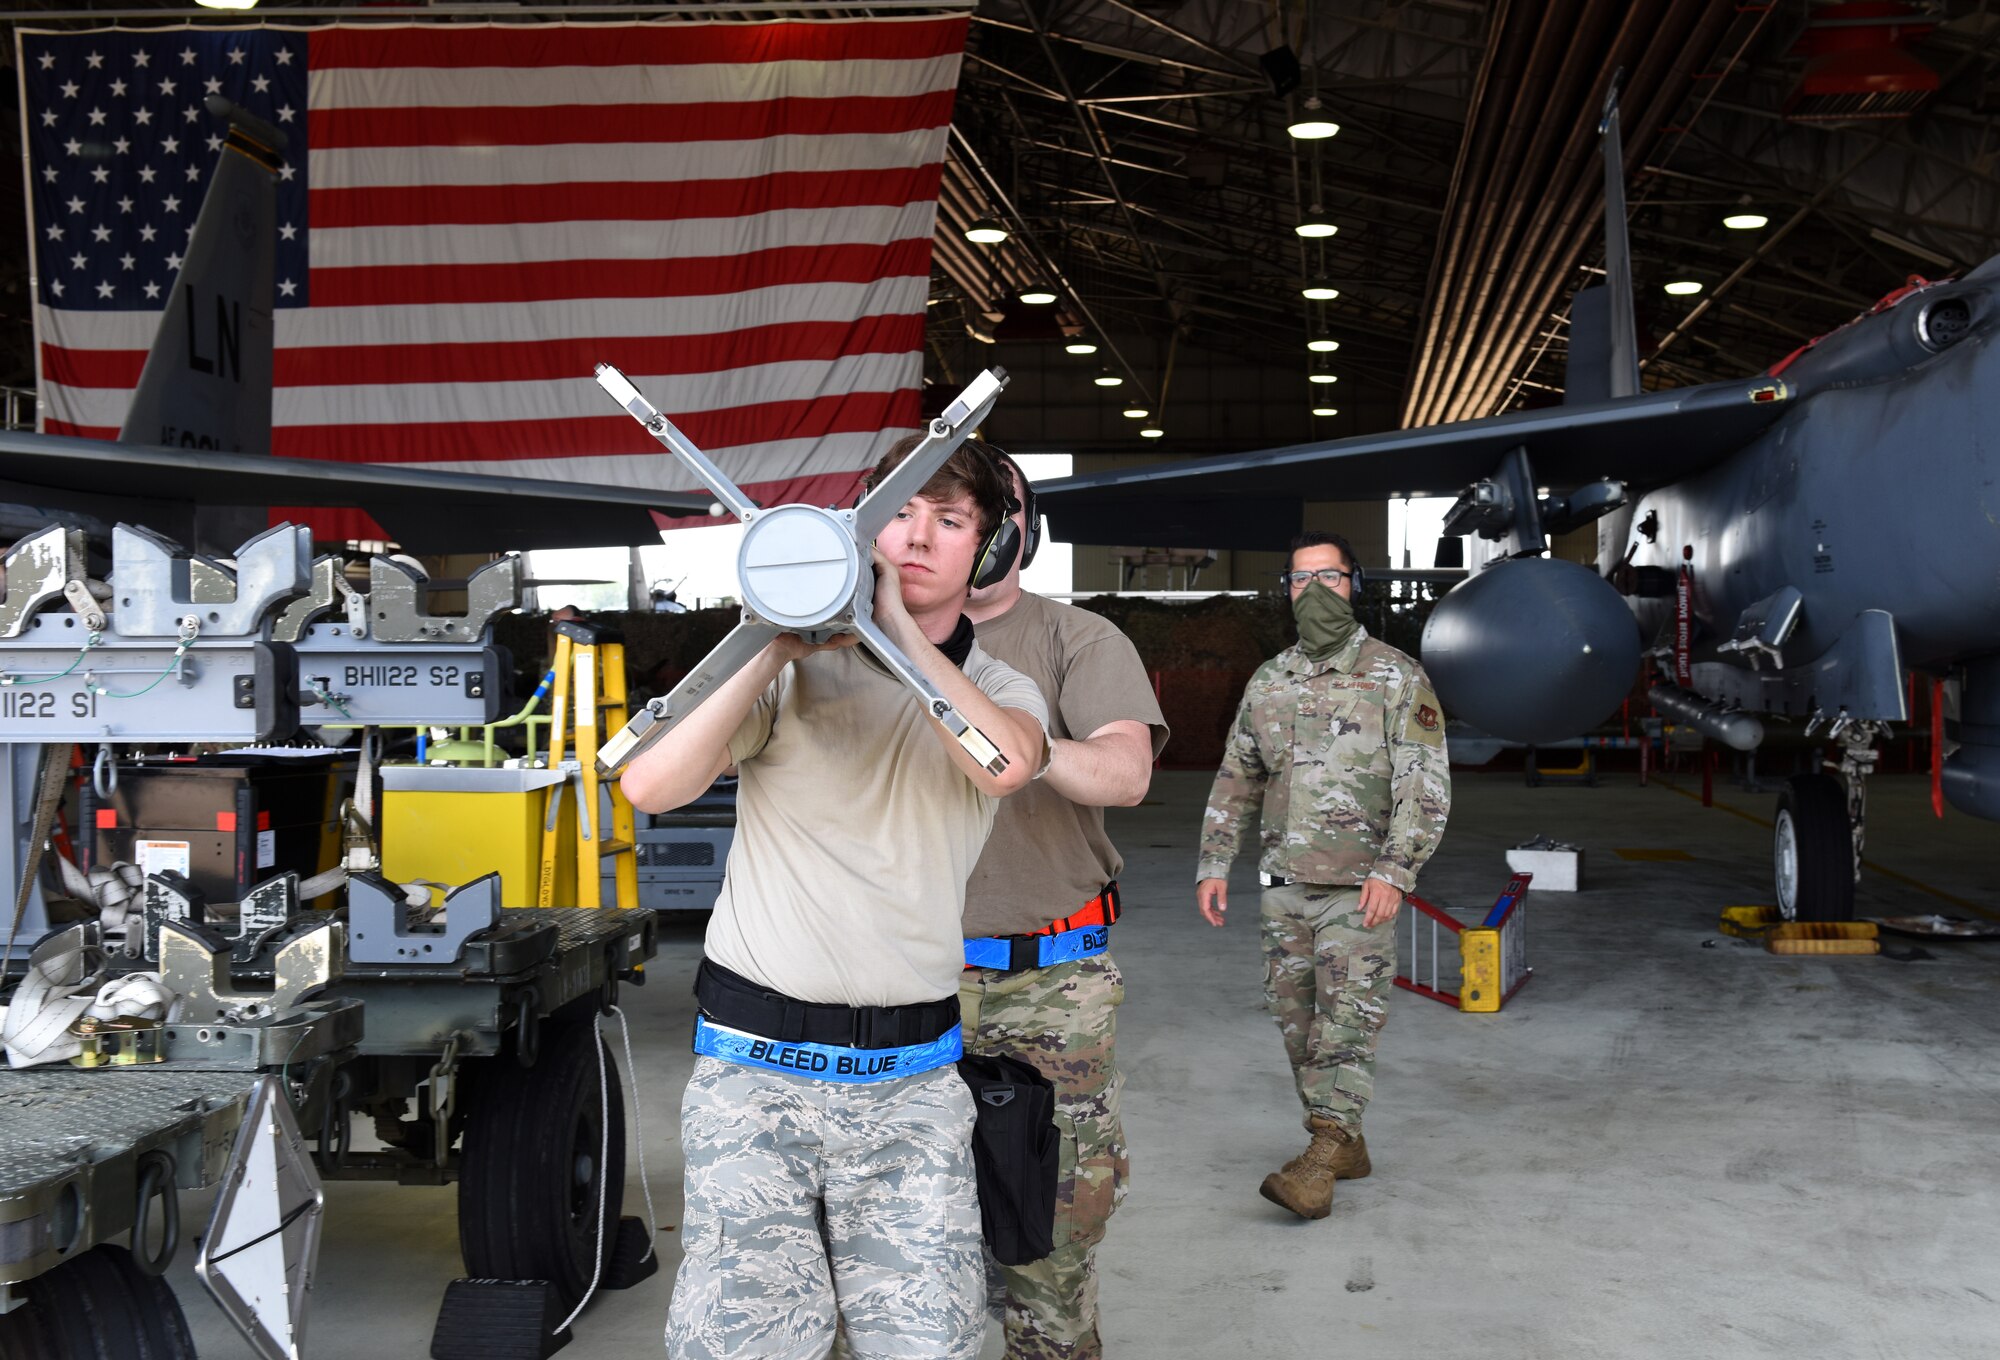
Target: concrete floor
[{"x": 1669, "y": 1144}]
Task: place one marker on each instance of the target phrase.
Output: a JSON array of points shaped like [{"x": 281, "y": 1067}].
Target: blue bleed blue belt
[
  {"x": 1016, "y": 953},
  {"x": 825, "y": 1062},
  {"x": 742, "y": 1022}
]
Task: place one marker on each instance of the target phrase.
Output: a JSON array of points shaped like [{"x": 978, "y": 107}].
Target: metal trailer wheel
[
  {"x": 534, "y": 1163},
  {"x": 100, "y": 1306},
  {"x": 1812, "y": 850}
]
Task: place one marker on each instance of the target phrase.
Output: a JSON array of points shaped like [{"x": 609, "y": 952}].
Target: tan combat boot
[{"x": 1305, "y": 1184}]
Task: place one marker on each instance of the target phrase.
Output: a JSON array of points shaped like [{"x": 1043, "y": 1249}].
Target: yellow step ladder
[{"x": 589, "y": 668}]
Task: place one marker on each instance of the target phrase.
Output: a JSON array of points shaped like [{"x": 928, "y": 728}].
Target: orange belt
[
  {"x": 1101, "y": 910},
  {"x": 1082, "y": 933}
]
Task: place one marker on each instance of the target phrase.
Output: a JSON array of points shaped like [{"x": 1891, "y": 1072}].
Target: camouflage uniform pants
[
  {"x": 808, "y": 1198},
  {"x": 1063, "y": 1020},
  {"x": 1327, "y": 980}
]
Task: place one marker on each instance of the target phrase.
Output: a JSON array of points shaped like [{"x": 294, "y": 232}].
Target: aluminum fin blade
[
  {"x": 976, "y": 743},
  {"x": 659, "y": 716},
  {"x": 620, "y": 389}
]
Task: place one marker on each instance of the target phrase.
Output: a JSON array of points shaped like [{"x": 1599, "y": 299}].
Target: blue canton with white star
[{"x": 121, "y": 151}]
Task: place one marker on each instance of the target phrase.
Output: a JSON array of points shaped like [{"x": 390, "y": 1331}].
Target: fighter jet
[
  {"x": 193, "y": 458},
  {"x": 1789, "y": 547}
]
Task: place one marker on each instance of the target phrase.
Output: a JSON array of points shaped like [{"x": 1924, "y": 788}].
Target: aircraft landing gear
[{"x": 1822, "y": 819}]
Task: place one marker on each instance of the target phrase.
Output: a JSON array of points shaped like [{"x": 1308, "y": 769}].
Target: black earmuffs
[
  {"x": 1031, "y": 541},
  {"x": 996, "y": 554},
  {"x": 1008, "y": 539}
]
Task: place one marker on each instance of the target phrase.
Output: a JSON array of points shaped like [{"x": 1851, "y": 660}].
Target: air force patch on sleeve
[{"x": 1426, "y": 724}]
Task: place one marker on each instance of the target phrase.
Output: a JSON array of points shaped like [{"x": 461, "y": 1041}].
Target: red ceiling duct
[{"x": 1856, "y": 65}]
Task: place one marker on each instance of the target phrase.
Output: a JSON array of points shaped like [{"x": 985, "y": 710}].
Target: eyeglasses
[{"x": 1328, "y": 577}]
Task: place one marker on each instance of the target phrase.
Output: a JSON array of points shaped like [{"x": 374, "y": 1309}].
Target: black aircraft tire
[
  {"x": 530, "y": 1174},
  {"x": 1812, "y": 832},
  {"x": 100, "y": 1306}
]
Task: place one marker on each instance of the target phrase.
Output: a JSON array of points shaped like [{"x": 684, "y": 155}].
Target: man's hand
[
  {"x": 1211, "y": 897},
  {"x": 789, "y": 647},
  {"x": 892, "y": 616},
  {"x": 1379, "y": 902}
]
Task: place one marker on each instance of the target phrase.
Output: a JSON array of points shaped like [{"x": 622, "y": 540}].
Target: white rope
[
  {"x": 364, "y": 778},
  {"x": 116, "y": 891},
  {"x": 631, "y": 1085},
  {"x": 322, "y": 883},
  {"x": 627, "y": 1083},
  {"x": 603, "y": 1179},
  {"x": 61, "y": 987}
]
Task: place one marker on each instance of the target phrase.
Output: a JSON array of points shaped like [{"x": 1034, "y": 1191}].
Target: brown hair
[
  {"x": 972, "y": 471},
  {"x": 1321, "y": 538}
]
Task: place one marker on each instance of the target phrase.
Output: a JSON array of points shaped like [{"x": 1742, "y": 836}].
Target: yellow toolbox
[{"x": 453, "y": 824}]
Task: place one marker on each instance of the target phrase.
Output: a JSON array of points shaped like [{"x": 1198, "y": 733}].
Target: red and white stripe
[{"x": 737, "y": 214}]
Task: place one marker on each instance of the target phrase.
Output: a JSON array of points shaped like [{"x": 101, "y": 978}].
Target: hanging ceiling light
[
  {"x": 1322, "y": 344},
  {"x": 1037, "y": 294},
  {"x": 1326, "y": 410},
  {"x": 1106, "y": 378},
  {"x": 1151, "y": 432},
  {"x": 987, "y": 231},
  {"x": 1080, "y": 347},
  {"x": 1747, "y": 221},
  {"x": 1683, "y": 288},
  {"x": 1136, "y": 413},
  {"x": 1322, "y": 375},
  {"x": 1316, "y": 226},
  {"x": 227, "y": 4},
  {"x": 1311, "y": 126},
  {"x": 1319, "y": 290}
]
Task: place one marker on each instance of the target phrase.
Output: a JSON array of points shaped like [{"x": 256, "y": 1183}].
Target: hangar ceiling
[{"x": 1137, "y": 152}]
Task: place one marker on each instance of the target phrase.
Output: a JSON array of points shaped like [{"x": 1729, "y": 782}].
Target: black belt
[
  {"x": 1273, "y": 880},
  {"x": 730, "y": 999}
]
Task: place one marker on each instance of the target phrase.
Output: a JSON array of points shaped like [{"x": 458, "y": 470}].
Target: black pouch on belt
[{"x": 1015, "y": 1151}]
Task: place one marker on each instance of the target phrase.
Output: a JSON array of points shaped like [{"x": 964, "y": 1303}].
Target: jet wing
[
  {"x": 425, "y": 511},
  {"x": 1253, "y": 500}
]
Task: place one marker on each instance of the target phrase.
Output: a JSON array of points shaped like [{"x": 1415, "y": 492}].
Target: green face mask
[{"x": 1326, "y": 621}]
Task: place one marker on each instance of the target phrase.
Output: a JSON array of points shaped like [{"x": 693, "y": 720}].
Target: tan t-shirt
[
  {"x": 854, "y": 836},
  {"x": 1048, "y": 856}
]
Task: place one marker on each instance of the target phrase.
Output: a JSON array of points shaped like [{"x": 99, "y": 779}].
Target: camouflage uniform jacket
[{"x": 1346, "y": 758}]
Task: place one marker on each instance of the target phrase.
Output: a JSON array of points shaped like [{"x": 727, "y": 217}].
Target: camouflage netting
[{"x": 1199, "y": 653}]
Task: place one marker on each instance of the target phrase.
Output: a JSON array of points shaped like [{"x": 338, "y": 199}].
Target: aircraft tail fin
[
  {"x": 1603, "y": 336},
  {"x": 1587, "y": 377},
  {"x": 207, "y": 379}
]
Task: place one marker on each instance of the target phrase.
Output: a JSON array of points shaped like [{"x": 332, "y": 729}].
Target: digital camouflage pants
[
  {"x": 1327, "y": 980},
  {"x": 808, "y": 1200},
  {"x": 1063, "y": 1020}
]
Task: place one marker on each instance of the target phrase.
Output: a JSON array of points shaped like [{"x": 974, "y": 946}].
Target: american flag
[{"x": 470, "y": 217}]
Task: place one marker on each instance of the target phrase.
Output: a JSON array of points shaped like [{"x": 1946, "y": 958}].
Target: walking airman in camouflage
[{"x": 1339, "y": 745}]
